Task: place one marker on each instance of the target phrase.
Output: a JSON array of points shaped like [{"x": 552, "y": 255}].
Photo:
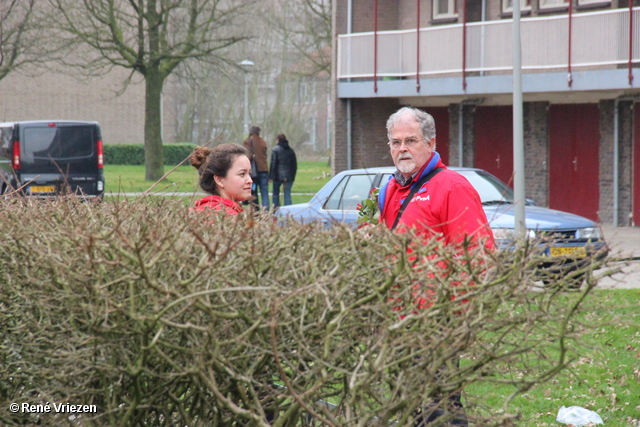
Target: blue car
[{"x": 570, "y": 238}]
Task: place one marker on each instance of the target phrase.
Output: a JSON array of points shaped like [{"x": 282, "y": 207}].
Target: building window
[
  {"x": 302, "y": 93},
  {"x": 306, "y": 93},
  {"x": 507, "y": 5},
  {"x": 553, "y": 4},
  {"x": 444, "y": 9}
]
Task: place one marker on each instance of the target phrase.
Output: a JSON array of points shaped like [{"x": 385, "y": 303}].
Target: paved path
[
  {"x": 623, "y": 241},
  {"x": 624, "y": 244}
]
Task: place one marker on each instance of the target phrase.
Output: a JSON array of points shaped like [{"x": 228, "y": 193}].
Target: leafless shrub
[{"x": 157, "y": 316}]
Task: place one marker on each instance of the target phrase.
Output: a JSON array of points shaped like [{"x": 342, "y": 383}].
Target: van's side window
[{"x": 5, "y": 141}]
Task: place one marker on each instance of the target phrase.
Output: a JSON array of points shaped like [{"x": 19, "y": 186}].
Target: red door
[
  {"x": 441, "y": 117},
  {"x": 494, "y": 141},
  {"x": 574, "y": 136},
  {"x": 636, "y": 164}
]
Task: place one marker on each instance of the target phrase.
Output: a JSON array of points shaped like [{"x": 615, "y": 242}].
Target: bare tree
[
  {"x": 291, "y": 56},
  {"x": 15, "y": 17},
  {"x": 151, "y": 38},
  {"x": 307, "y": 28}
]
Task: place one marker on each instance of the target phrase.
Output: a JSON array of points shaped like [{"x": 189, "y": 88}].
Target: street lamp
[{"x": 246, "y": 66}]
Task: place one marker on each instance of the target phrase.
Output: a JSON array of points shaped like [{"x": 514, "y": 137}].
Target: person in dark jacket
[{"x": 283, "y": 170}]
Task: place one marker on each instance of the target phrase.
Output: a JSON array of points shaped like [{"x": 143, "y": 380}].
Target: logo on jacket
[{"x": 421, "y": 198}]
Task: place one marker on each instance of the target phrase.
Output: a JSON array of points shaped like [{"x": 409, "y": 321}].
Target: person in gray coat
[{"x": 283, "y": 170}]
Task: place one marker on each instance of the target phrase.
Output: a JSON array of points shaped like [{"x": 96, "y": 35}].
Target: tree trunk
[{"x": 153, "y": 156}]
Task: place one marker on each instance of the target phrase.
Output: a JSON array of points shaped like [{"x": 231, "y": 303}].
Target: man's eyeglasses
[{"x": 409, "y": 142}]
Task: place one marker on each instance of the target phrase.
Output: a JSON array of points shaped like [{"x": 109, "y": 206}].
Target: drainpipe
[
  {"x": 616, "y": 159},
  {"x": 569, "y": 76},
  {"x": 460, "y": 133},
  {"x": 418, "y": 47},
  {"x": 329, "y": 115},
  {"x": 464, "y": 44},
  {"x": 630, "y": 42},
  {"x": 375, "y": 46},
  {"x": 349, "y": 137},
  {"x": 483, "y": 18}
]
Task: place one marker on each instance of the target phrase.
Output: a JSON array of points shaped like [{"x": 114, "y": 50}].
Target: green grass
[
  {"x": 604, "y": 378},
  {"x": 130, "y": 179},
  {"x": 121, "y": 179}
]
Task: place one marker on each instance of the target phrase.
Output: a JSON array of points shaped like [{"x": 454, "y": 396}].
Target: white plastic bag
[{"x": 578, "y": 416}]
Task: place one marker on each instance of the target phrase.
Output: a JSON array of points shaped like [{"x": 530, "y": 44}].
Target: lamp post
[{"x": 246, "y": 66}]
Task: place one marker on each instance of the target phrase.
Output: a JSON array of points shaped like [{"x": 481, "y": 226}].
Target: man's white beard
[{"x": 406, "y": 165}]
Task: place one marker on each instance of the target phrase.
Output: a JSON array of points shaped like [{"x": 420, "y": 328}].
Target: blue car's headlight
[
  {"x": 510, "y": 234},
  {"x": 589, "y": 233}
]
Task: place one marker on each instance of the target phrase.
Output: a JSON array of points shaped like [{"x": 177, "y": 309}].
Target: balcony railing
[{"x": 599, "y": 39}]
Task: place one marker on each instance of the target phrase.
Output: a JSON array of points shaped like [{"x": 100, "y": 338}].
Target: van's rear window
[{"x": 58, "y": 143}]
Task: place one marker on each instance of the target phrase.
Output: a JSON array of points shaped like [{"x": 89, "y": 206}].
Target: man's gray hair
[
  {"x": 427, "y": 124},
  {"x": 254, "y": 130}
]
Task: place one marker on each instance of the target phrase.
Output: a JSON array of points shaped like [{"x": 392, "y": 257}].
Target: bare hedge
[{"x": 158, "y": 317}]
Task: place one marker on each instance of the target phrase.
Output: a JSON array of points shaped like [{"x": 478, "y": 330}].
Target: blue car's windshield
[{"x": 490, "y": 188}]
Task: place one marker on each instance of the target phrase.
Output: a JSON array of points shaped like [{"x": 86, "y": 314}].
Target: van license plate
[
  {"x": 575, "y": 251},
  {"x": 42, "y": 189}
]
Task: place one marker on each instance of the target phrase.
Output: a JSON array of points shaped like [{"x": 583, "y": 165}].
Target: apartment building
[{"x": 453, "y": 58}]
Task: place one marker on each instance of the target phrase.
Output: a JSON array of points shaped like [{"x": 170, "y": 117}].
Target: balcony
[{"x": 601, "y": 53}]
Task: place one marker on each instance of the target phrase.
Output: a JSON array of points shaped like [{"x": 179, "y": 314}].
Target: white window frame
[
  {"x": 449, "y": 13},
  {"x": 584, "y": 2},
  {"x": 508, "y": 8},
  {"x": 551, "y": 4}
]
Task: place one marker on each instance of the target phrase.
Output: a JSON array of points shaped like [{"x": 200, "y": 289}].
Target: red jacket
[
  {"x": 446, "y": 206},
  {"x": 219, "y": 204}
]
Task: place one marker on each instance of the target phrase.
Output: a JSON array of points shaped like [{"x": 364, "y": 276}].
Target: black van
[{"x": 51, "y": 158}]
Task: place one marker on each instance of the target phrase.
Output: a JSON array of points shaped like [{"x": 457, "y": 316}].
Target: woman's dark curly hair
[{"x": 215, "y": 162}]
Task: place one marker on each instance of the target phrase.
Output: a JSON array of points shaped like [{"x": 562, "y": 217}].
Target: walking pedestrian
[
  {"x": 284, "y": 167},
  {"x": 258, "y": 152}
]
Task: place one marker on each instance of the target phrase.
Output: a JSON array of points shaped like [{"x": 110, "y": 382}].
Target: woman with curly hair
[{"x": 225, "y": 173}]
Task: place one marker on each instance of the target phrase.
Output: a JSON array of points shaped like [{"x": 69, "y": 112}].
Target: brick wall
[
  {"x": 468, "y": 144},
  {"x": 407, "y": 17},
  {"x": 536, "y": 148},
  {"x": 363, "y": 14},
  {"x": 454, "y": 152},
  {"x": 625, "y": 162},
  {"x": 605, "y": 210},
  {"x": 56, "y": 96},
  {"x": 474, "y": 11},
  {"x": 370, "y": 117},
  {"x": 339, "y": 122},
  {"x": 339, "y": 161}
]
